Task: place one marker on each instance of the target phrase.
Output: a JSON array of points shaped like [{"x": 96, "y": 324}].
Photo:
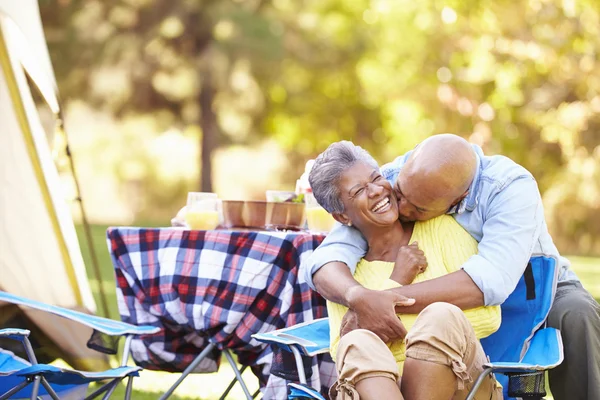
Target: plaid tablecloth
[{"x": 217, "y": 286}]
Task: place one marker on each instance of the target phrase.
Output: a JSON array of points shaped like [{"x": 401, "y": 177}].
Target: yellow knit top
[{"x": 447, "y": 246}]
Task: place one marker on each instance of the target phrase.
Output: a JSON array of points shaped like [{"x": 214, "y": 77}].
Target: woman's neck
[{"x": 384, "y": 242}]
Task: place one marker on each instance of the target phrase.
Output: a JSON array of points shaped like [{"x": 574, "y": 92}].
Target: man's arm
[
  {"x": 510, "y": 231},
  {"x": 513, "y": 221},
  {"x": 374, "y": 309},
  {"x": 343, "y": 245},
  {"x": 456, "y": 288},
  {"x": 329, "y": 271}
]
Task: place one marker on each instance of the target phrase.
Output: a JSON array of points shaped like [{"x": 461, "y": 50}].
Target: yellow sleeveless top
[{"x": 447, "y": 246}]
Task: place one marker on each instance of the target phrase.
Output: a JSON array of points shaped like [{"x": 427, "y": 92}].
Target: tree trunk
[{"x": 210, "y": 131}]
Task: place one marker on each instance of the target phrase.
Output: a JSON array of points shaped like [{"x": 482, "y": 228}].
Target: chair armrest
[
  {"x": 303, "y": 392},
  {"x": 310, "y": 337},
  {"x": 545, "y": 352},
  {"x": 14, "y": 333},
  {"x": 107, "y": 326}
]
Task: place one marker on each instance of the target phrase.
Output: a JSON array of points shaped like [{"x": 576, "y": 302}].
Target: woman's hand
[{"x": 410, "y": 262}]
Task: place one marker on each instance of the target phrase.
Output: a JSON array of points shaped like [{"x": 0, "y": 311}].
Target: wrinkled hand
[
  {"x": 410, "y": 262},
  {"x": 374, "y": 311}
]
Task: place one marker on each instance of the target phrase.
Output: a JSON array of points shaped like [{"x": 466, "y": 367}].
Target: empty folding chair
[
  {"x": 16, "y": 374},
  {"x": 116, "y": 329},
  {"x": 100, "y": 325}
]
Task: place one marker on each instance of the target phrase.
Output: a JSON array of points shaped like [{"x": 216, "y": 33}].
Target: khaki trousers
[{"x": 441, "y": 334}]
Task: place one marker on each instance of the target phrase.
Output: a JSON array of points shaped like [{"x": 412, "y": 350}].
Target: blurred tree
[
  {"x": 518, "y": 78},
  {"x": 175, "y": 60}
]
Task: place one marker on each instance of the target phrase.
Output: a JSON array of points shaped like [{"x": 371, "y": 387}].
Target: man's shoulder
[
  {"x": 500, "y": 171},
  {"x": 390, "y": 170}
]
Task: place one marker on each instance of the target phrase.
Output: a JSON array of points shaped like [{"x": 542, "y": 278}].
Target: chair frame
[
  {"x": 295, "y": 345},
  {"x": 128, "y": 331},
  {"x": 22, "y": 335},
  {"x": 198, "y": 359}
]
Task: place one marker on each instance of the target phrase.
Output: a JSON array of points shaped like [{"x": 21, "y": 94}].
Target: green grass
[{"x": 210, "y": 386}]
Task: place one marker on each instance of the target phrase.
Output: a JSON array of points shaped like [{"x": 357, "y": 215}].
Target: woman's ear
[{"x": 342, "y": 218}]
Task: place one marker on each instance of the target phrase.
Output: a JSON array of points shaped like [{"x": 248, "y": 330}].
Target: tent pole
[{"x": 86, "y": 225}]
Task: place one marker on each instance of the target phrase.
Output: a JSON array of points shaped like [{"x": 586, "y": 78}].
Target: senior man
[{"x": 498, "y": 202}]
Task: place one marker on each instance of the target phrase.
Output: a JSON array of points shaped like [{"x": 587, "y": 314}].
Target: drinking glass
[
  {"x": 280, "y": 196},
  {"x": 317, "y": 218},
  {"x": 203, "y": 211}
]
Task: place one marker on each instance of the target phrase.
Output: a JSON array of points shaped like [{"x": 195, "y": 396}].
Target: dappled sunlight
[{"x": 267, "y": 86}]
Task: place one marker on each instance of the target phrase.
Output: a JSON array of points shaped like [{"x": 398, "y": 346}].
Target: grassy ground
[{"x": 210, "y": 386}]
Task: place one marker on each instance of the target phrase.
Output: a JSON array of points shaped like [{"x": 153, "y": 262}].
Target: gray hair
[{"x": 328, "y": 168}]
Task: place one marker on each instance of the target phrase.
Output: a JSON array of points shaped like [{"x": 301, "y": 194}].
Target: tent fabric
[
  {"x": 24, "y": 29},
  {"x": 40, "y": 257}
]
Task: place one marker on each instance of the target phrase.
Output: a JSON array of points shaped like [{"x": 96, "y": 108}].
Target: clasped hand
[{"x": 375, "y": 311}]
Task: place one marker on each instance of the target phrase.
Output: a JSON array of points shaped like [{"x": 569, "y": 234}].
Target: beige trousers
[{"x": 441, "y": 334}]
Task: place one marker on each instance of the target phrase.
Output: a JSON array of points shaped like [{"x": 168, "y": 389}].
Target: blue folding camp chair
[
  {"x": 117, "y": 329},
  {"x": 10, "y": 365},
  {"x": 520, "y": 351},
  {"x": 17, "y": 374}
]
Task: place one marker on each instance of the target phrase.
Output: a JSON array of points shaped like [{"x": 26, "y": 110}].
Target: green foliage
[{"x": 519, "y": 78}]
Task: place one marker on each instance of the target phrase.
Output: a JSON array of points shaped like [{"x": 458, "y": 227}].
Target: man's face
[{"x": 418, "y": 200}]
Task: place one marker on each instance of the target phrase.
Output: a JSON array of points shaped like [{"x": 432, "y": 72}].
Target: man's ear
[
  {"x": 461, "y": 198},
  {"x": 341, "y": 218}
]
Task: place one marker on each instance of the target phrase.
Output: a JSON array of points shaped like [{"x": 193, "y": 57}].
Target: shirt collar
[{"x": 470, "y": 202}]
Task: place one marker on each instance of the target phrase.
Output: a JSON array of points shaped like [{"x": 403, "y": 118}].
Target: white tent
[{"x": 40, "y": 256}]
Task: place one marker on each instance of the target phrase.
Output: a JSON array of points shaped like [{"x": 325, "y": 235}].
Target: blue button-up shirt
[{"x": 503, "y": 212}]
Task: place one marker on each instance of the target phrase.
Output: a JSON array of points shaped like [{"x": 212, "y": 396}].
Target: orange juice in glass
[
  {"x": 202, "y": 211},
  {"x": 317, "y": 218}
]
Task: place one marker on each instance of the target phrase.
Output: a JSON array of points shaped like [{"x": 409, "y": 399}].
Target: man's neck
[{"x": 384, "y": 242}]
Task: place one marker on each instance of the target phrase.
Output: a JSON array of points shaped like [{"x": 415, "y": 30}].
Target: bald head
[{"x": 436, "y": 176}]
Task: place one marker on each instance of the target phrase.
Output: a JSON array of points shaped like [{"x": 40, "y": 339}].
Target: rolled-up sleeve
[
  {"x": 343, "y": 244},
  {"x": 511, "y": 228}
]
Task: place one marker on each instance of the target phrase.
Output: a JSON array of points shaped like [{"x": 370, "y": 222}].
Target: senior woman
[{"x": 442, "y": 341}]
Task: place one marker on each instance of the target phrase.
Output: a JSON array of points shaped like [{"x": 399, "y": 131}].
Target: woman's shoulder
[
  {"x": 443, "y": 228},
  {"x": 442, "y": 222}
]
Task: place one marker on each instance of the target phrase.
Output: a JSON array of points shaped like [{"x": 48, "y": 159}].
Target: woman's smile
[{"x": 382, "y": 205}]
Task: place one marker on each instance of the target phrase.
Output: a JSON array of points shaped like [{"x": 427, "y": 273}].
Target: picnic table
[{"x": 218, "y": 286}]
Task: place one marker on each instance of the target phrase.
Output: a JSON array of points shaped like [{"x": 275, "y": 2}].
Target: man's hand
[
  {"x": 349, "y": 323},
  {"x": 410, "y": 262},
  {"x": 375, "y": 311}
]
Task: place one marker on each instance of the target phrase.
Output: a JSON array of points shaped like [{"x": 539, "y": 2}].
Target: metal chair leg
[
  {"x": 99, "y": 391},
  {"x": 478, "y": 382},
  {"x": 36, "y": 387},
  {"x": 49, "y": 389},
  {"x": 188, "y": 370},
  {"x": 237, "y": 373},
  {"x": 299, "y": 365},
  {"x": 110, "y": 391},
  {"x": 15, "y": 389},
  {"x": 129, "y": 388},
  {"x": 126, "y": 350},
  {"x": 231, "y": 385}
]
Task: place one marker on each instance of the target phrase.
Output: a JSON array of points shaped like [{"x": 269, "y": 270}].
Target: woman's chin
[{"x": 388, "y": 219}]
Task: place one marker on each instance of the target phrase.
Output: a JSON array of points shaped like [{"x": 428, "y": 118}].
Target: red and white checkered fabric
[{"x": 217, "y": 286}]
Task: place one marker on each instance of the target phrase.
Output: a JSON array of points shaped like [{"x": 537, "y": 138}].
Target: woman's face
[{"x": 368, "y": 197}]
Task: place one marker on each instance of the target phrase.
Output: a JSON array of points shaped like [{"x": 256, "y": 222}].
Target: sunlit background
[
  {"x": 169, "y": 96},
  {"x": 165, "y": 97}
]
